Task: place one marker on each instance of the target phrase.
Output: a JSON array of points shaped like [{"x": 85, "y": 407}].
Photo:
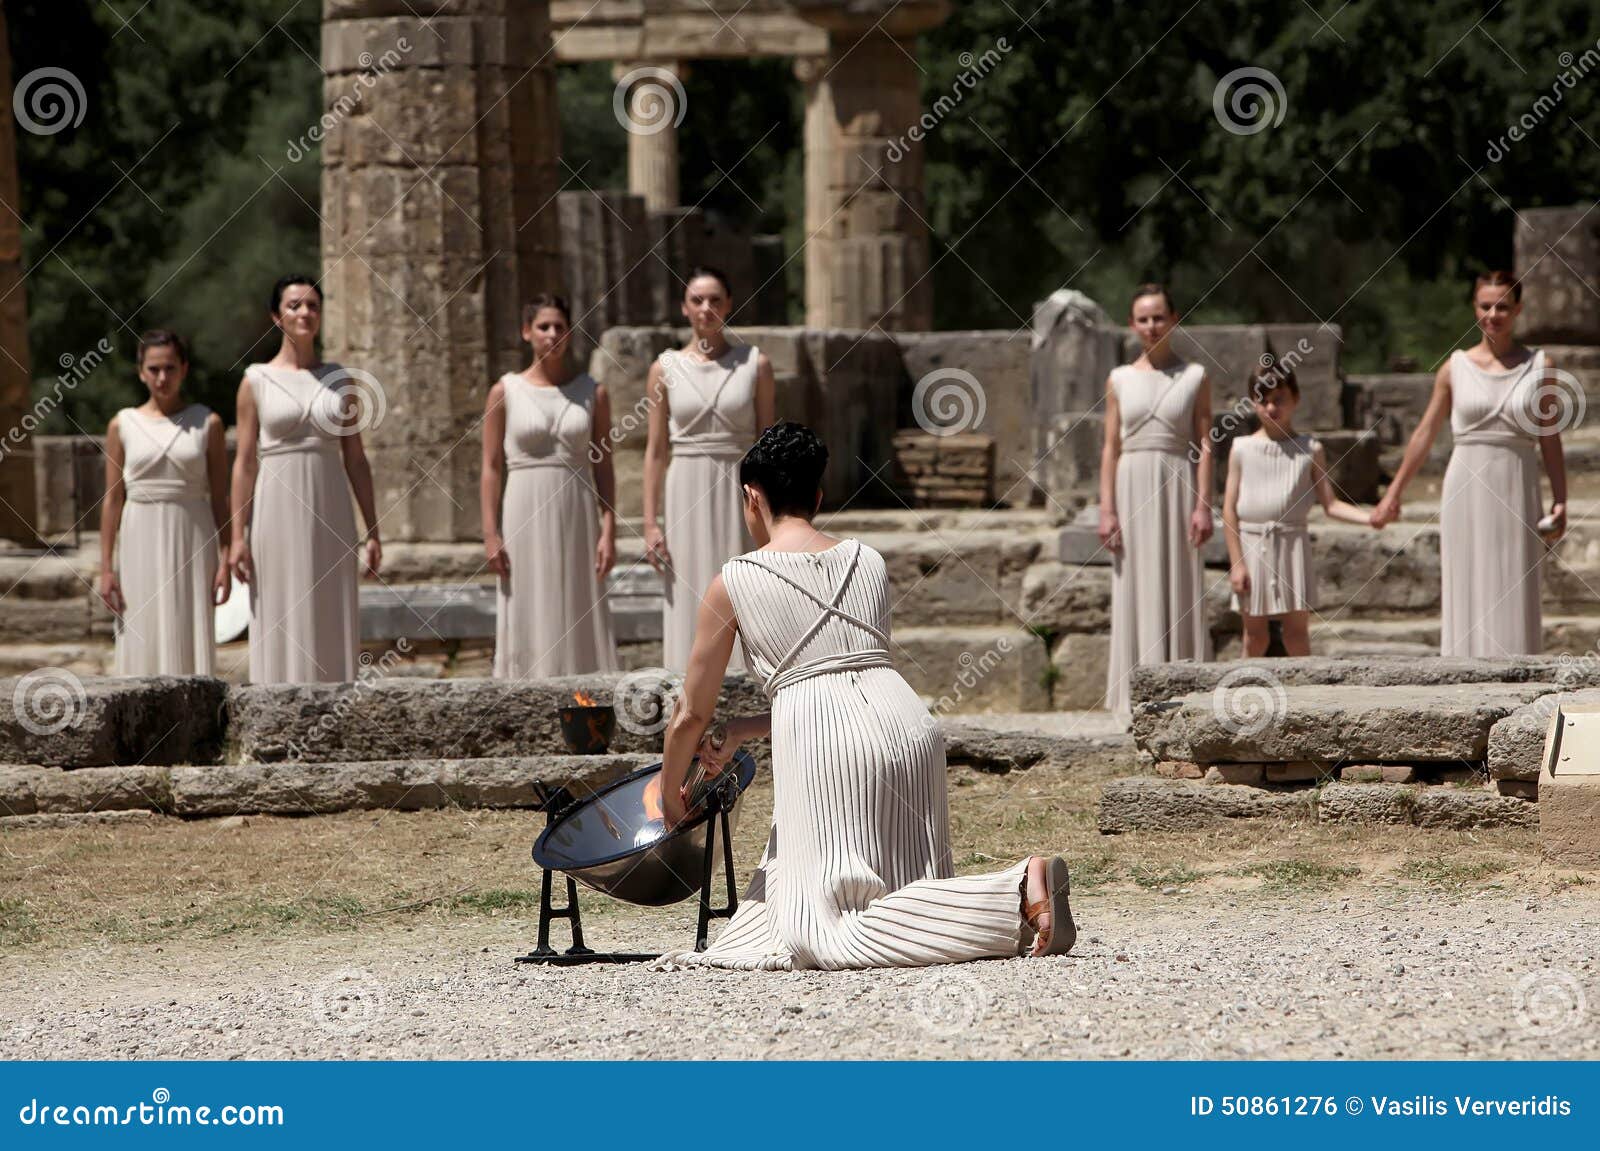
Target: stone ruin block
[
  {"x": 995, "y": 401},
  {"x": 1558, "y": 261}
]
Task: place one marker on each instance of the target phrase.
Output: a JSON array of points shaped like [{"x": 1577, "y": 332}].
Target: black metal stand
[{"x": 553, "y": 803}]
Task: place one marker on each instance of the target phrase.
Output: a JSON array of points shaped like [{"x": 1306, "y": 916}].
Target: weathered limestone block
[
  {"x": 1075, "y": 344},
  {"x": 1365, "y": 803},
  {"x": 1518, "y": 788},
  {"x": 998, "y": 361},
  {"x": 953, "y": 579},
  {"x": 1353, "y": 463},
  {"x": 1170, "y": 680},
  {"x": 54, "y": 718},
  {"x": 18, "y": 788},
  {"x": 1066, "y": 598},
  {"x": 1232, "y": 353},
  {"x": 1466, "y": 808},
  {"x": 1254, "y": 720},
  {"x": 103, "y": 789},
  {"x": 1516, "y": 745},
  {"x": 1180, "y": 769},
  {"x": 439, "y": 719},
  {"x": 974, "y": 668},
  {"x": 1144, "y": 804},
  {"x": 1558, "y": 260},
  {"x": 1080, "y": 663},
  {"x": 1068, "y": 460},
  {"x": 410, "y": 785},
  {"x": 1392, "y": 403}
]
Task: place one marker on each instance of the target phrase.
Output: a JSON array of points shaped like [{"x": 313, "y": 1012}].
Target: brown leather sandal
[{"x": 1063, "y": 932}]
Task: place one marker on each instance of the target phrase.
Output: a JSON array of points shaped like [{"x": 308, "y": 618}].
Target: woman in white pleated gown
[
  {"x": 550, "y": 534},
  {"x": 298, "y": 461},
  {"x": 1155, "y": 501},
  {"x": 1507, "y": 408},
  {"x": 166, "y": 503},
  {"x": 707, "y": 402},
  {"x": 857, "y": 871}
]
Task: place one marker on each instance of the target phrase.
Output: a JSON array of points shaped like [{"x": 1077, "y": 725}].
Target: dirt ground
[{"x": 393, "y": 935}]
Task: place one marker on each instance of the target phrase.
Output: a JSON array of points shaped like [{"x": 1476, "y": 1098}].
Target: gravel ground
[{"x": 1358, "y": 974}]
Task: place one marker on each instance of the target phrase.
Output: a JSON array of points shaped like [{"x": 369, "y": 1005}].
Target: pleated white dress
[
  {"x": 1276, "y": 491},
  {"x": 1157, "y": 591},
  {"x": 1489, "y": 545},
  {"x": 553, "y": 617},
  {"x": 857, "y": 871},
  {"x": 167, "y": 546},
  {"x": 712, "y": 421},
  {"x": 304, "y": 607}
]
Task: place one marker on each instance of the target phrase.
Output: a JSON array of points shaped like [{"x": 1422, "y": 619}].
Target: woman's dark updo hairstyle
[
  {"x": 530, "y": 310},
  {"x": 288, "y": 282},
  {"x": 163, "y": 338},
  {"x": 786, "y": 463},
  {"x": 707, "y": 270}
]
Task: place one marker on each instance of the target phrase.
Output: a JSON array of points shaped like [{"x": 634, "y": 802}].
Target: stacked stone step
[
  {"x": 197, "y": 747},
  {"x": 944, "y": 471},
  {"x": 1376, "y": 740}
]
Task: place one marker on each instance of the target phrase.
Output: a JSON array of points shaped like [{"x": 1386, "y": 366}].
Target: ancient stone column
[
  {"x": 1558, "y": 261},
  {"x": 866, "y": 239},
  {"x": 439, "y": 220},
  {"x": 17, "y": 506},
  {"x": 650, "y": 104}
]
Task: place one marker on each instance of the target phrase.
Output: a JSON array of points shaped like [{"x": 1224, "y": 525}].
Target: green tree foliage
[
  {"x": 1090, "y": 155},
  {"x": 162, "y": 207}
]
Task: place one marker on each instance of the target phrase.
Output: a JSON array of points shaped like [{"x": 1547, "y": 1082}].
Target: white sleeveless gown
[{"x": 711, "y": 409}]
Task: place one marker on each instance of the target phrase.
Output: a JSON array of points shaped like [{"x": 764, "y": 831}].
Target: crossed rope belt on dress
[
  {"x": 1497, "y": 437},
  {"x": 715, "y": 445},
  {"x": 164, "y": 491},
  {"x": 299, "y": 445},
  {"x": 786, "y": 673},
  {"x": 1273, "y": 527},
  {"x": 523, "y": 463}
]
